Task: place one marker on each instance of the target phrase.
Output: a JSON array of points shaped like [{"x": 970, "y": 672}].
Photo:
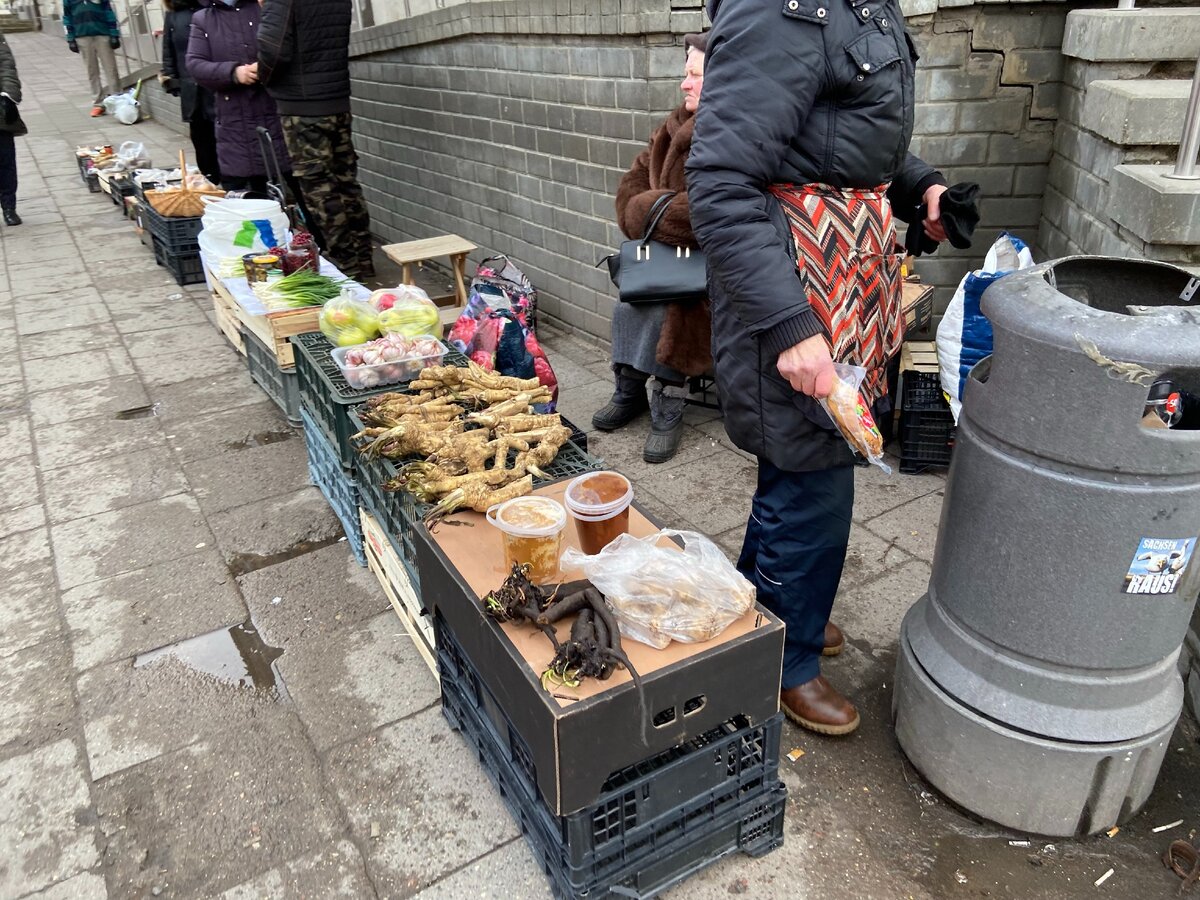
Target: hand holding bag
[{"x": 649, "y": 271}]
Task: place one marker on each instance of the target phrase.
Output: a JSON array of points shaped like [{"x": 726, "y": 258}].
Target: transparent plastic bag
[
  {"x": 407, "y": 310},
  {"x": 660, "y": 593},
  {"x": 852, "y": 416},
  {"x": 347, "y": 322}
]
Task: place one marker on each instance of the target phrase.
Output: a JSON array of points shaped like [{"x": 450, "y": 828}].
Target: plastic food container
[
  {"x": 385, "y": 373},
  {"x": 532, "y": 529},
  {"x": 599, "y": 504}
]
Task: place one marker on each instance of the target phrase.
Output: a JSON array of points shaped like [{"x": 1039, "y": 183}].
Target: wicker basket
[{"x": 185, "y": 202}]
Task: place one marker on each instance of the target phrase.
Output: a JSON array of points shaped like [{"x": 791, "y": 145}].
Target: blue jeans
[{"x": 793, "y": 553}]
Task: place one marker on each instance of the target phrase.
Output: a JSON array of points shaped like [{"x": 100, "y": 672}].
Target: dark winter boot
[
  {"x": 666, "y": 422},
  {"x": 627, "y": 403},
  {"x": 11, "y": 217}
]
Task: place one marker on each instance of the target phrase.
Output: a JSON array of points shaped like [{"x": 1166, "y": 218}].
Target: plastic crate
[
  {"x": 578, "y": 437},
  {"x": 398, "y": 512},
  {"x": 655, "y": 823},
  {"x": 92, "y": 180},
  {"x": 926, "y": 424},
  {"x": 325, "y": 394},
  {"x": 335, "y": 485},
  {"x": 279, "y": 384},
  {"x": 187, "y": 268},
  {"x": 178, "y": 234}
]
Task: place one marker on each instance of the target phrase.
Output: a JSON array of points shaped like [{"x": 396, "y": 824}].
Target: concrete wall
[{"x": 510, "y": 123}]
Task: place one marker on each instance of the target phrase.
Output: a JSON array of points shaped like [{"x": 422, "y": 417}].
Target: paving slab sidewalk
[{"x": 126, "y": 772}]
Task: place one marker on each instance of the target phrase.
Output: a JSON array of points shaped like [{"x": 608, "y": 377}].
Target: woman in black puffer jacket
[
  {"x": 799, "y": 156},
  {"x": 196, "y": 106}
]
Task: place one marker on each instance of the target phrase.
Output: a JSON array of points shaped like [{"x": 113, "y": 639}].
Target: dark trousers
[
  {"x": 204, "y": 140},
  {"x": 794, "y": 551},
  {"x": 8, "y": 171},
  {"x": 326, "y": 165}
]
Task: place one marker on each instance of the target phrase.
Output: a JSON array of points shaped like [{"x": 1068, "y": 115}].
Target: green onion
[{"x": 300, "y": 289}]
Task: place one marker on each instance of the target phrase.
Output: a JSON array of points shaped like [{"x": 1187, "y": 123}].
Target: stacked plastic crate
[{"x": 176, "y": 244}]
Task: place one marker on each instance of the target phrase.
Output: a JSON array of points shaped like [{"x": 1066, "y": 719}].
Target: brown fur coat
[{"x": 684, "y": 343}]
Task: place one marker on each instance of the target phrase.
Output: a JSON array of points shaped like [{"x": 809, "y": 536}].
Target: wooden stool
[{"x": 450, "y": 245}]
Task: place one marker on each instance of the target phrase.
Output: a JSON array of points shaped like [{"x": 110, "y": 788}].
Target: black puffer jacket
[
  {"x": 304, "y": 56},
  {"x": 10, "y": 84},
  {"x": 795, "y": 91}
]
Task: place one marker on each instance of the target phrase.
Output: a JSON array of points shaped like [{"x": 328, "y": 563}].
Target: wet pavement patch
[
  {"x": 137, "y": 412},
  {"x": 245, "y": 563},
  {"x": 237, "y": 655},
  {"x": 261, "y": 439}
]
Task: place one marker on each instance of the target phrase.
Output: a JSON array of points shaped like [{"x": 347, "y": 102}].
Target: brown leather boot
[
  {"x": 817, "y": 706},
  {"x": 835, "y": 641}
]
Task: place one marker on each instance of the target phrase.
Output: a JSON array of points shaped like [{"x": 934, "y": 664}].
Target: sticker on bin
[
  {"x": 388, "y": 360},
  {"x": 1158, "y": 565}
]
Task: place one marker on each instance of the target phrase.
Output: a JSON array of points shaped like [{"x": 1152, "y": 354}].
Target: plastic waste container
[{"x": 1037, "y": 681}]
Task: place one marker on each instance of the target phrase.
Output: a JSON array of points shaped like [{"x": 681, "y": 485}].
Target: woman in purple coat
[{"x": 222, "y": 56}]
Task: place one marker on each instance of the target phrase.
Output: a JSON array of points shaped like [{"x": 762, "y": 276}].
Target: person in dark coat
[
  {"x": 800, "y": 154},
  {"x": 669, "y": 341},
  {"x": 197, "y": 106},
  {"x": 222, "y": 56},
  {"x": 304, "y": 62},
  {"x": 11, "y": 126}
]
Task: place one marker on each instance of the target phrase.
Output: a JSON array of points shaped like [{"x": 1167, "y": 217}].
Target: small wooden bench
[{"x": 408, "y": 253}]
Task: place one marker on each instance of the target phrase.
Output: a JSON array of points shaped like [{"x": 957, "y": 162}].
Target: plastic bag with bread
[{"x": 852, "y": 416}]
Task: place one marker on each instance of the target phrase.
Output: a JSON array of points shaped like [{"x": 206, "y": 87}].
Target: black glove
[
  {"x": 74, "y": 46},
  {"x": 171, "y": 86},
  {"x": 114, "y": 42}
]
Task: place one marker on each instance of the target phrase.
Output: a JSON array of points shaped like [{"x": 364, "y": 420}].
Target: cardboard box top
[{"x": 476, "y": 550}]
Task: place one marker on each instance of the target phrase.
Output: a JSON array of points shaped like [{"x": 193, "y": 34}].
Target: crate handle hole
[
  {"x": 694, "y": 705},
  {"x": 664, "y": 717}
]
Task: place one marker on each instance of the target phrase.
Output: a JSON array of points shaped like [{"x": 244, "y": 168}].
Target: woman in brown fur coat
[{"x": 666, "y": 341}]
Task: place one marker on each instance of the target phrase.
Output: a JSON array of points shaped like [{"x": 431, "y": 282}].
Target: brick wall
[{"x": 510, "y": 123}]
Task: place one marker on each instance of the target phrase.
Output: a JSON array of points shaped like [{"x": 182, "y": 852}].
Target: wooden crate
[
  {"x": 227, "y": 321},
  {"x": 383, "y": 561},
  {"x": 917, "y": 303},
  {"x": 274, "y": 329}
]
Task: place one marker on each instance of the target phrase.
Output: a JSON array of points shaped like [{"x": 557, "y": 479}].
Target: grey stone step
[
  {"x": 1133, "y": 35},
  {"x": 1158, "y": 209},
  {"x": 1138, "y": 111}
]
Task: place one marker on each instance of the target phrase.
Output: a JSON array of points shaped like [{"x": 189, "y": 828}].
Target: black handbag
[{"x": 649, "y": 271}]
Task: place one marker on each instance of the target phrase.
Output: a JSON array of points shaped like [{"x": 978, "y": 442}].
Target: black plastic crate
[
  {"x": 180, "y": 234},
  {"x": 398, "y": 512},
  {"x": 326, "y": 395},
  {"x": 186, "y": 267},
  {"x": 578, "y": 435},
  {"x": 656, "y": 826},
  {"x": 279, "y": 384},
  {"x": 335, "y": 484},
  {"x": 926, "y": 424},
  {"x": 92, "y": 180}
]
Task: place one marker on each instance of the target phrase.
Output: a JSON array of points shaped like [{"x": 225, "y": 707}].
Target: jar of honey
[
  {"x": 532, "y": 529},
  {"x": 599, "y": 504}
]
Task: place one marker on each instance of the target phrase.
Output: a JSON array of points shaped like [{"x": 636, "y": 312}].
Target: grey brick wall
[
  {"x": 162, "y": 106},
  {"x": 1074, "y": 218},
  {"x": 511, "y": 122}
]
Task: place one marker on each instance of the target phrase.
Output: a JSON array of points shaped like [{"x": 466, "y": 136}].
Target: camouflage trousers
[{"x": 326, "y": 166}]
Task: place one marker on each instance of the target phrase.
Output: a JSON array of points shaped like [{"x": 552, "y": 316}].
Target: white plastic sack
[
  {"x": 659, "y": 593},
  {"x": 964, "y": 336},
  {"x": 236, "y": 227}
]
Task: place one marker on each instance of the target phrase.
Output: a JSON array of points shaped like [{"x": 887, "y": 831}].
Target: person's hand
[
  {"x": 114, "y": 42},
  {"x": 246, "y": 74},
  {"x": 808, "y": 367},
  {"x": 933, "y": 218},
  {"x": 73, "y": 46}
]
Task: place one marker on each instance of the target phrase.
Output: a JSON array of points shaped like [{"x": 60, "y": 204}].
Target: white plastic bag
[
  {"x": 964, "y": 336},
  {"x": 659, "y": 593},
  {"x": 407, "y": 310},
  {"x": 852, "y": 416}
]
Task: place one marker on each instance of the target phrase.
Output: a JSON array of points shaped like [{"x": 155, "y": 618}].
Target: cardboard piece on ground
[{"x": 476, "y": 549}]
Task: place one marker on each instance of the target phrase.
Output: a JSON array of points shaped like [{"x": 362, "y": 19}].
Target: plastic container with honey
[
  {"x": 532, "y": 529},
  {"x": 599, "y": 504}
]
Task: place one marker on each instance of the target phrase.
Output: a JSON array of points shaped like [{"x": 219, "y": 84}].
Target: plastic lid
[
  {"x": 598, "y": 495},
  {"x": 529, "y": 516}
]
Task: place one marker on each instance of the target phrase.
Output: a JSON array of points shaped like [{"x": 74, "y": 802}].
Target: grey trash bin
[
  {"x": 1191, "y": 669},
  {"x": 1037, "y": 681}
]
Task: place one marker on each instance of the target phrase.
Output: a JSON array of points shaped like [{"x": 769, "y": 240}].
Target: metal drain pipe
[{"x": 1189, "y": 141}]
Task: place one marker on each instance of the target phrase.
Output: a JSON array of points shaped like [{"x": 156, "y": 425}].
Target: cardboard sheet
[{"x": 476, "y": 550}]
